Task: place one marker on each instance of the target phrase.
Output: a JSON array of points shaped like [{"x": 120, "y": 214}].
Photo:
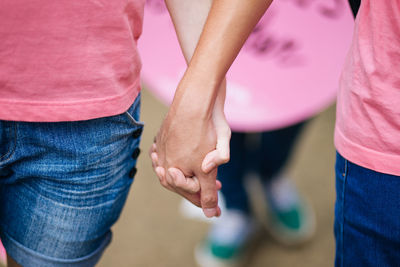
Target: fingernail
[{"x": 210, "y": 212}]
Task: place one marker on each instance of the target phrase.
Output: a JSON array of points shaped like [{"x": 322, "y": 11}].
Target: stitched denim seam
[
  {"x": 42, "y": 257},
  {"x": 342, "y": 219},
  {"x": 134, "y": 107},
  {"x": 12, "y": 149},
  {"x": 133, "y": 120}
]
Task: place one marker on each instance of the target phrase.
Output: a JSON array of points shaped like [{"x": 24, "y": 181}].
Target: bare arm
[
  {"x": 228, "y": 25},
  {"x": 188, "y": 133},
  {"x": 189, "y": 18}
]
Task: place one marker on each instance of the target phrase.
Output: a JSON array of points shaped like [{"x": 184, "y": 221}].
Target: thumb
[
  {"x": 209, "y": 193},
  {"x": 180, "y": 181},
  {"x": 218, "y": 156}
]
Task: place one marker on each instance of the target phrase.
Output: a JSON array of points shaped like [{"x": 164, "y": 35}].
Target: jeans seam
[
  {"x": 134, "y": 107},
  {"x": 31, "y": 253},
  {"x": 133, "y": 120},
  {"x": 342, "y": 215},
  {"x": 12, "y": 149}
]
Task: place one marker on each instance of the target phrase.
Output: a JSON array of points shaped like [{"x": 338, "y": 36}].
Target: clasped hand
[{"x": 189, "y": 147}]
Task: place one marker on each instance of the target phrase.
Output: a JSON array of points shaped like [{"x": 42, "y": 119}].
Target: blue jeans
[
  {"x": 367, "y": 216},
  {"x": 63, "y": 185},
  {"x": 265, "y": 156}
]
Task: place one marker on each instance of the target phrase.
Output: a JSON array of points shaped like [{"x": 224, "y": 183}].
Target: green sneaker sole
[{"x": 291, "y": 235}]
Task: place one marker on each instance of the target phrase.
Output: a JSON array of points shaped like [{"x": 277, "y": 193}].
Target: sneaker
[
  {"x": 227, "y": 241},
  {"x": 291, "y": 220}
]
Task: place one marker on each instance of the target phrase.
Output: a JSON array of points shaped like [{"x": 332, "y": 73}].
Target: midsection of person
[
  {"x": 63, "y": 185},
  {"x": 368, "y": 111},
  {"x": 68, "y": 60}
]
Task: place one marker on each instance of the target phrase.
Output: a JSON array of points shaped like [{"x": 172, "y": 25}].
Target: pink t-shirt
[
  {"x": 368, "y": 110},
  {"x": 68, "y": 60}
]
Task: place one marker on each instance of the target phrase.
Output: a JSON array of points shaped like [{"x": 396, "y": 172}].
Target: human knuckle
[
  {"x": 229, "y": 132},
  {"x": 211, "y": 200},
  {"x": 180, "y": 184},
  {"x": 194, "y": 187},
  {"x": 163, "y": 182},
  {"x": 225, "y": 157},
  {"x": 167, "y": 183},
  {"x": 190, "y": 189}
]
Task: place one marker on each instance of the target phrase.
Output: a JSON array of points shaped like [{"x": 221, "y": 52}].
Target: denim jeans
[
  {"x": 63, "y": 185},
  {"x": 367, "y": 216},
  {"x": 266, "y": 156}
]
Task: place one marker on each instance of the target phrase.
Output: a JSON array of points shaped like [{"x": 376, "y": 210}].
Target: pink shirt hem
[
  {"x": 365, "y": 157},
  {"x": 67, "y": 111}
]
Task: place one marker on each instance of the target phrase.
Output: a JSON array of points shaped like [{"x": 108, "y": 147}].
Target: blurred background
[{"x": 153, "y": 232}]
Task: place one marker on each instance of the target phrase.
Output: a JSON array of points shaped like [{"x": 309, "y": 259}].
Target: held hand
[
  {"x": 198, "y": 185},
  {"x": 220, "y": 154},
  {"x": 185, "y": 137},
  {"x": 188, "y": 187}
]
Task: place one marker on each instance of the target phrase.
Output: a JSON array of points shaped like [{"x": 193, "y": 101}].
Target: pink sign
[
  {"x": 287, "y": 71},
  {"x": 3, "y": 258}
]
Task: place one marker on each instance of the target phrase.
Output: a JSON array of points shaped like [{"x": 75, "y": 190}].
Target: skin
[
  {"x": 189, "y": 18},
  {"x": 193, "y": 138}
]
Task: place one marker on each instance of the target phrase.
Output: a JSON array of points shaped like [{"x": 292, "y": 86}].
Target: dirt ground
[{"x": 152, "y": 232}]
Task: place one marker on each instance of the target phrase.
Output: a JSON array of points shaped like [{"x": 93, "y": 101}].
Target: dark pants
[
  {"x": 264, "y": 153},
  {"x": 355, "y": 5},
  {"x": 367, "y": 216}
]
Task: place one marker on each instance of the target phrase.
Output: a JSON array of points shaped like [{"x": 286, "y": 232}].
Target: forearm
[
  {"x": 228, "y": 25},
  {"x": 189, "y": 18}
]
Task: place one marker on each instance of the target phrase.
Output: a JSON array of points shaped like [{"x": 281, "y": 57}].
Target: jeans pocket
[
  {"x": 133, "y": 113},
  {"x": 132, "y": 119}
]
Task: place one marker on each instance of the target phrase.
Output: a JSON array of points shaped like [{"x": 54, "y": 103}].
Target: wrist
[{"x": 196, "y": 94}]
